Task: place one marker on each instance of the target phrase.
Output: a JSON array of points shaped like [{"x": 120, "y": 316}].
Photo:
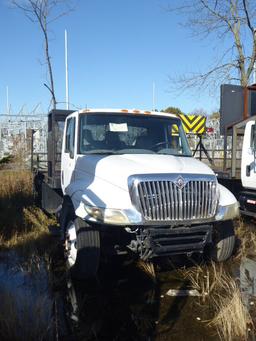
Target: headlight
[
  {"x": 227, "y": 212},
  {"x": 112, "y": 216}
]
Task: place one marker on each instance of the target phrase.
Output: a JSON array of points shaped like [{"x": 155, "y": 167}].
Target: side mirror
[
  {"x": 254, "y": 138},
  {"x": 71, "y": 154},
  {"x": 248, "y": 170}
]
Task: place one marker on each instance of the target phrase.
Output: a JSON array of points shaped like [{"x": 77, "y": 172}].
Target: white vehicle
[
  {"x": 237, "y": 123},
  {"x": 130, "y": 185},
  {"x": 247, "y": 190}
]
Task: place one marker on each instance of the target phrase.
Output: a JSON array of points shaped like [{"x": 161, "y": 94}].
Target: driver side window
[{"x": 70, "y": 136}]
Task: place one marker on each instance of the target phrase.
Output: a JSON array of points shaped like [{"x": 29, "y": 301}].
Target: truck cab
[
  {"x": 130, "y": 185},
  {"x": 247, "y": 197}
]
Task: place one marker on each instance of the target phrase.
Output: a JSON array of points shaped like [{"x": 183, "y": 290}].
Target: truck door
[
  {"x": 248, "y": 166},
  {"x": 68, "y": 154}
]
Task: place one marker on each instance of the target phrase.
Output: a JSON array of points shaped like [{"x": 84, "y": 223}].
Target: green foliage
[
  {"x": 173, "y": 110},
  {"x": 6, "y": 159},
  {"x": 215, "y": 115}
]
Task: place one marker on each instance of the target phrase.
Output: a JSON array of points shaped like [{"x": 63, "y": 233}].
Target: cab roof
[{"x": 126, "y": 111}]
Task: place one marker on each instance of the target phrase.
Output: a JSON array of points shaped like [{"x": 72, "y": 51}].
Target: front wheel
[
  {"x": 223, "y": 241},
  {"x": 82, "y": 246}
]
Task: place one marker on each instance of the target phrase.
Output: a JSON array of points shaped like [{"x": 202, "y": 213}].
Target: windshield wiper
[
  {"x": 165, "y": 153},
  {"x": 100, "y": 152},
  {"x": 119, "y": 152}
]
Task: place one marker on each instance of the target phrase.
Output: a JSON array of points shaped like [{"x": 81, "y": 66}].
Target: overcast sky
[{"x": 117, "y": 50}]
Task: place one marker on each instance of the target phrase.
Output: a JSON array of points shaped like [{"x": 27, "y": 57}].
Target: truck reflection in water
[
  {"x": 132, "y": 306},
  {"x": 125, "y": 303},
  {"x": 116, "y": 309}
]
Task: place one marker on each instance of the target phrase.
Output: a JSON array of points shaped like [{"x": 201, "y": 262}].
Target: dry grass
[
  {"x": 232, "y": 318},
  {"x": 24, "y": 314},
  {"x": 206, "y": 279},
  {"x": 22, "y": 225},
  {"x": 148, "y": 268},
  {"x": 246, "y": 234},
  {"x": 199, "y": 277},
  {"x": 15, "y": 181},
  {"x": 21, "y": 319},
  {"x": 222, "y": 294},
  {"x": 15, "y": 195}
]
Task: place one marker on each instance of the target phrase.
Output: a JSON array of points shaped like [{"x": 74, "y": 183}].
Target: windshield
[{"x": 106, "y": 133}]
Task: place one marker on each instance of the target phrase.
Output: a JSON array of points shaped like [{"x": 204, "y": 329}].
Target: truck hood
[{"x": 115, "y": 169}]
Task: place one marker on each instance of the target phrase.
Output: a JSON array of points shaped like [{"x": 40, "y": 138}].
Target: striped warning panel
[{"x": 195, "y": 124}]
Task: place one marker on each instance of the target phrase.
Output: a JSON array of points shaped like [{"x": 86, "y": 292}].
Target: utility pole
[
  {"x": 153, "y": 97},
  {"x": 66, "y": 69},
  {"x": 7, "y": 100},
  {"x": 254, "y": 73}
]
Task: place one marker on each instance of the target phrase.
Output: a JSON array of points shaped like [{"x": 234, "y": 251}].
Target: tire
[
  {"x": 223, "y": 241},
  {"x": 82, "y": 245}
]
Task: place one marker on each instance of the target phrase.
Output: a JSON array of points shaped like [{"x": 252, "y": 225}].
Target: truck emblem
[
  {"x": 152, "y": 196},
  {"x": 180, "y": 182}
]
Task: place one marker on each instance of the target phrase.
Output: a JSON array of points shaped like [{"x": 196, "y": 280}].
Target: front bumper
[
  {"x": 247, "y": 200},
  {"x": 159, "y": 242}
]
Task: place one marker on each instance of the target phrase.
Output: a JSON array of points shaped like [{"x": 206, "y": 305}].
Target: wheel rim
[{"x": 70, "y": 244}]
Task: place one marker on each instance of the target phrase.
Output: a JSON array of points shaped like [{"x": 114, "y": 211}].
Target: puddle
[
  {"x": 26, "y": 303},
  {"x": 133, "y": 307},
  {"x": 248, "y": 280},
  {"x": 124, "y": 304}
]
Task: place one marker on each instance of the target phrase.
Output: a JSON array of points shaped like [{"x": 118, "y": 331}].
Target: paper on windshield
[{"x": 118, "y": 127}]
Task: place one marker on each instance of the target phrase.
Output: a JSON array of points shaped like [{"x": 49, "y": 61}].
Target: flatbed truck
[{"x": 125, "y": 182}]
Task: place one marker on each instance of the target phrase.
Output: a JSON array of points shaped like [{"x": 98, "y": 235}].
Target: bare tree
[
  {"x": 232, "y": 23},
  {"x": 45, "y": 12}
]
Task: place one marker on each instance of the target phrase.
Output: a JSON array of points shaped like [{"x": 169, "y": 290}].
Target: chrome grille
[{"x": 163, "y": 200}]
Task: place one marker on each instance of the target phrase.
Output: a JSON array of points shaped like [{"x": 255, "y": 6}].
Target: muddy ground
[{"x": 40, "y": 302}]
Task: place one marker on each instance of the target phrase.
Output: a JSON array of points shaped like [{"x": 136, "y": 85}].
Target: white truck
[
  {"x": 243, "y": 173},
  {"x": 237, "y": 123},
  {"x": 128, "y": 184},
  {"x": 247, "y": 197}
]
